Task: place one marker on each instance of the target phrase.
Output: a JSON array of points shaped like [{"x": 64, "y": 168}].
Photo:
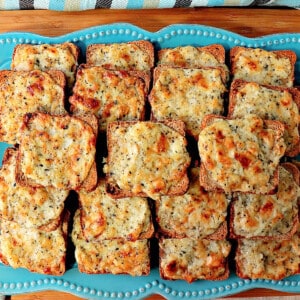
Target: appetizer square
[
  {"x": 272, "y": 260},
  {"x": 188, "y": 95},
  {"x": 268, "y": 102},
  {"x": 39, "y": 208},
  {"x": 135, "y": 55},
  {"x": 102, "y": 217},
  {"x": 116, "y": 256},
  {"x": 110, "y": 95},
  {"x": 268, "y": 217},
  {"x": 262, "y": 66},
  {"x": 57, "y": 151},
  {"x": 24, "y": 92},
  {"x": 240, "y": 155},
  {"x": 36, "y": 250},
  {"x": 45, "y": 57},
  {"x": 146, "y": 159},
  {"x": 194, "y": 57},
  {"x": 193, "y": 259},
  {"x": 196, "y": 214}
]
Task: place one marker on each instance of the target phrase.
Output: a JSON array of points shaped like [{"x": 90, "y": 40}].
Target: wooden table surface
[{"x": 250, "y": 22}]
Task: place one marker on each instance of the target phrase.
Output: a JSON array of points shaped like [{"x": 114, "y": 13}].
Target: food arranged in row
[{"x": 173, "y": 146}]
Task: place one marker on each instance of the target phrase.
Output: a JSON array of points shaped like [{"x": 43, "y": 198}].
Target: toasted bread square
[
  {"x": 268, "y": 217},
  {"x": 268, "y": 102},
  {"x": 272, "y": 260},
  {"x": 265, "y": 67},
  {"x": 116, "y": 256},
  {"x": 193, "y": 259},
  {"x": 24, "y": 92},
  {"x": 194, "y": 57},
  {"x": 36, "y": 250},
  {"x": 63, "y": 57},
  {"x": 110, "y": 95},
  {"x": 39, "y": 208},
  {"x": 188, "y": 95},
  {"x": 240, "y": 155},
  {"x": 135, "y": 55},
  {"x": 146, "y": 159},
  {"x": 196, "y": 214},
  {"x": 103, "y": 217},
  {"x": 56, "y": 151}
]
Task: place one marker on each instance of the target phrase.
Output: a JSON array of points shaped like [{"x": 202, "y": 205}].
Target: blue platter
[{"x": 16, "y": 281}]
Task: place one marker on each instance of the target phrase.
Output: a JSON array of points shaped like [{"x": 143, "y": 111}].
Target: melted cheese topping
[
  {"x": 147, "y": 157},
  {"x": 105, "y": 218},
  {"x": 110, "y": 256},
  {"x": 195, "y": 214},
  {"x": 38, "y": 251},
  {"x": 262, "y": 66},
  {"x": 46, "y": 57},
  {"x": 24, "y": 92},
  {"x": 187, "y": 94},
  {"x": 120, "y": 56},
  {"x": 272, "y": 260},
  {"x": 57, "y": 151},
  {"x": 269, "y": 104},
  {"x": 29, "y": 207},
  {"x": 111, "y": 96},
  {"x": 190, "y": 259},
  {"x": 271, "y": 215},
  {"x": 241, "y": 154}
]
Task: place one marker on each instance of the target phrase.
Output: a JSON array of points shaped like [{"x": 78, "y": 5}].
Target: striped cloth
[{"x": 76, "y": 5}]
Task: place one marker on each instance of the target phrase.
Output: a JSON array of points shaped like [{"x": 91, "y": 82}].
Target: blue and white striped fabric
[{"x": 76, "y": 5}]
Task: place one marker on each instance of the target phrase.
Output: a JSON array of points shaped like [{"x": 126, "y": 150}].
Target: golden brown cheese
[
  {"x": 33, "y": 249},
  {"x": 193, "y": 259},
  {"x": 136, "y": 55},
  {"x": 57, "y": 151},
  {"x": 24, "y": 92},
  {"x": 241, "y": 154},
  {"x": 268, "y": 103},
  {"x": 262, "y": 66},
  {"x": 267, "y": 215},
  {"x": 146, "y": 157},
  {"x": 116, "y": 256},
  {"x": 110, "y": 95},
  {"x": 273, "y": 260},
  {"x": 196, "y": 214},
  {"x": 188, "y": 95},
  {"x": 105, "y": 218},
  {"x": 29, "y": 207},
  {"x": 62, "y": 57}
]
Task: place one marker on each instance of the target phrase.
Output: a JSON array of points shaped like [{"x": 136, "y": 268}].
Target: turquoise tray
[{"x": 16, "y": 281}]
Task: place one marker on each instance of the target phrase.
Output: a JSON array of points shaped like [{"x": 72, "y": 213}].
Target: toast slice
[
  {"x": 268, "y": 102},
  {"x": 193, "y": 259},
  {"x": 35, "y": 250},
  {"x": 56, "y": 151},
  {"x": 102, "y": 217},
  {"x": 24, "y": 92},
  {"x": 63, "y": 57},
  {"x": 196, "y": 214},
  {"x": 146, "y": 159},
  {"x": 110, "y": 95},
  {"x": 135, "y": 55},
  {"x": 116, "y": 256},
  {"x": 240, "y": 155},
  {"x": 265, "y": 67},
  {"x": 272, "y": 260},
  {"x": 194, "y": 57},
  {"x": 272, "y": 217},
  {"x": 39, "y": 208},
  {"x": 188, "y": 95}
]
